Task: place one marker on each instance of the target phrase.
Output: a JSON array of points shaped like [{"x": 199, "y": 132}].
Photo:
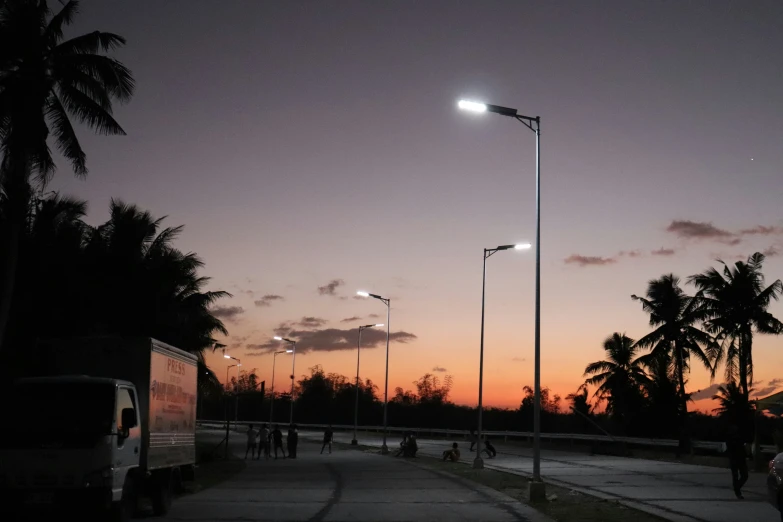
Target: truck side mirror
[{"x": 128, "y": 418}]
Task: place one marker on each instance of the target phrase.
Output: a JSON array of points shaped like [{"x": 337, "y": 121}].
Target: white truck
[{"x": 105, "y": 422}]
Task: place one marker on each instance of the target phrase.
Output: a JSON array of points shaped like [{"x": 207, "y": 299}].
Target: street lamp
[
  {"x": 355, "y": 442},
  {"x": 478, "y": 462},
  {"x": 534, "y": 124},
  {"x": 272, "y": 392},
  {"x": 387, "y": 302},
  {"x": 227, "y": 369},
  {"x": 293, "y": 371},
  {"x": 236, "y": 385}
]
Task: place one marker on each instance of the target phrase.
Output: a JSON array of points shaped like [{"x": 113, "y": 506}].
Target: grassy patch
[{"x": 569, "y": 506}]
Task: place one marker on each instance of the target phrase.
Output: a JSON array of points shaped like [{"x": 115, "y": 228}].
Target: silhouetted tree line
[
  {"x": 323, "y": 398},
  {"x": 123, "y": 277}
]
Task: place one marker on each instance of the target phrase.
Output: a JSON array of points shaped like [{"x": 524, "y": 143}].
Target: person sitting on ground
[
  {"x": 411, "y": 447},
  {"x": 489, "y": 449},
  {"x": 403, "y": 442},
  {"x": 452, "y": 454},
  {"x": 251, "y": 441}
]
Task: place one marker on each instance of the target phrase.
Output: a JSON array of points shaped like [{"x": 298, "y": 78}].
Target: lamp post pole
[
  {"x": 387, "y": 302},
  {"x": 478, "y": 462},
  {"x": 355, "y": 442},
  {"x": 293, "y": 376},
  {"x": 236, "y": 385},
  {"x": 534, "y": 124},
  {"x": 293, "y": 371},
  {"x": 227, "y": 369},
  {"x": 272, "y": 391}
]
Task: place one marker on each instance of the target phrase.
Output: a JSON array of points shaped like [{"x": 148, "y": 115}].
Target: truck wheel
[
  {"x": 162, "y": 494},
  {"x": 124, "y": 510}
]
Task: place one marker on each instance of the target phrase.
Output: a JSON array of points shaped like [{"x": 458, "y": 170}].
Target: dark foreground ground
[{"x": 346, "y": 486}]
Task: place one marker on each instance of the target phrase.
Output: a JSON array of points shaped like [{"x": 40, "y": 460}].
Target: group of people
[
  {"x": 453, "y": 453},
  {"x": 271, "y": 440},
  {"x": 408, "y": 446}
]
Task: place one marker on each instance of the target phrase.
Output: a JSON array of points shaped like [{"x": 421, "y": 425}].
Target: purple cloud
[
  {"x": 332, "y": 339},
  {"x": 229, "y": 313},
  {"x": 268, "y": 299},
  {"x": 576, "y": 259},
  {"x": 331, "y": 287}
]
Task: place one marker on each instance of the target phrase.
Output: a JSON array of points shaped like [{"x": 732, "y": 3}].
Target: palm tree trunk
[
  {"x": 684, "y": 441},
  {"x": 18, "y": 194},
  {"x": 743, "y": 362},
  {"x": 9, "y": 278}
]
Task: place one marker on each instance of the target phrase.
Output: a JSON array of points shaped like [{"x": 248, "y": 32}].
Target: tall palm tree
[
  {"x": 44, "y": 82},
  {"x": 579, "y": 401},
  {"x": 619, "y": 378},
  {"x": 674, "y": 315},
  {"x": 735, "y": 303},
  {"x": 733, "y": 404},
  {"x": 162, "y": 294},
  {"x": 663, "y": 399}
]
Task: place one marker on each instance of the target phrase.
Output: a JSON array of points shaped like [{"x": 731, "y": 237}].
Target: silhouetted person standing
[
  {"x": 328, "y": 436},
  {"x": 252, "y": 435},
  {"x": 473, "y": 439},
  {"x": 264, "y": 437},
  {"x": 293, "y": 441},
  {"x": 738, "y": 460},
  {"x": 277, "y": 440}
]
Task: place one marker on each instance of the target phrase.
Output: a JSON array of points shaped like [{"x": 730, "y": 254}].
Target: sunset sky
[{"x": 315, "y": 149}]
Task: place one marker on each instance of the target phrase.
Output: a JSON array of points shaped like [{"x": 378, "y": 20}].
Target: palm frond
[
  {"x": 598, "y": 366},
  {"x": 67, "y": 142},
  {"x": 88, "y": 111},
  {"x": 112, "y": 76},
  {"x": 90, "y": 43},
  {"x": 54, "y": 29}
]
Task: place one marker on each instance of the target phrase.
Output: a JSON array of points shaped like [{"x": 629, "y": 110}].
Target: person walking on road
[
  {"x": 277, "y": 439},
  {"x": 489, "y": 449},
  {"x": 328, "y": 436},
  {"x": 252, "y": 435},
  {"x": 293, "y": 440},
  {"x": 264, "y": 442},
  {"x": 473, "y": 439},
  {"x": 738, "y": 460}
]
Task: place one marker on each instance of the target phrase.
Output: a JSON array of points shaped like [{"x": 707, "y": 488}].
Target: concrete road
[
  {"x": 348, "y": 485},
  {"x": 676, "y": 492}
]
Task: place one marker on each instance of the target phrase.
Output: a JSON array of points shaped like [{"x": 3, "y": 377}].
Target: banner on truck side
[{"x": 172, "y": 421}]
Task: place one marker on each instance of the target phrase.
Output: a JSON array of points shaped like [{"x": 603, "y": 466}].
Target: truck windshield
[{"x": 62, "y": 414}]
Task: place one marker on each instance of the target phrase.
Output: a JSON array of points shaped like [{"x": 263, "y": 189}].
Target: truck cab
[{"x": 71, "y": 441}]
